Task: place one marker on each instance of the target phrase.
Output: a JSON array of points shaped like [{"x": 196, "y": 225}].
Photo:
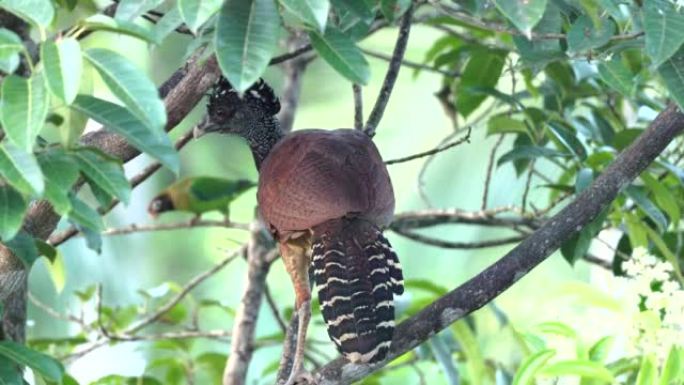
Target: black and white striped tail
[{"x": 357, "y": 274}]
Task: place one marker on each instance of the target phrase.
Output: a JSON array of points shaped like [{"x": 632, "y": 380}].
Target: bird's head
[
  {"x": 160, "y": 204},
  {"x": 229, "y": 112}
]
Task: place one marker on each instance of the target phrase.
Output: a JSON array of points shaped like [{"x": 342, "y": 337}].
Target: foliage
[{"x": 567, "y": 83}]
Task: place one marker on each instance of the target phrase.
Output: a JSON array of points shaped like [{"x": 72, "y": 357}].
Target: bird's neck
[{"x": 264, "y": 138}]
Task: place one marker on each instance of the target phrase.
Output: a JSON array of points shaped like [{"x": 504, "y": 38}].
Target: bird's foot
[{"x": 302, "y": 377}]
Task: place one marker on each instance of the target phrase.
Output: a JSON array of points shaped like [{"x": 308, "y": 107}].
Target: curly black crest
[{"x": 224, "y": 100}]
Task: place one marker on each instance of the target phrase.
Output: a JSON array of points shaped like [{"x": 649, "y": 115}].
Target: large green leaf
[
  {"x": 663, "y": 196},
  {"x": 311, "y": 12},
  {"x": 23, "y": 109},
  {"x": 21, "y": 170},
  {"x": 12, "y": 210},
  {"x": 104, "y": 171},
  {"x": 529, "y": 152},
  {"x": 130, "y": 85},
  {"x": 536, "y": 53},
  {"x": 154, "y": 142},
  {"x": 167, "y": 24},
  {"x": 61, "y": 172},
  {"x": 63, "y": 67},
  {"x": 524, "y": 14},
  {"x": 663, "y": 24},
  {"x": 530, "y": 366},
  {"x": 43, "y": 365},
  {"x": 673, "y": 370},
  {"x": 648, "y": 372},
  {"x": 392, "y": 9},
  {"x": 482, "y": 71},
  {"x": 584, "y": 36},
  {"x": 106, "y": 23},
  {"x": 672, "y": 71},
  {"x": 342, "y": 54},
  {"x": 639, "y": 197},
  {"x": 567, "y": 139},
  {"x": 246, "y": 37},
  {"x": 130, "y": 9},
  {"x": 616, "y": 74},
  {"x": 38, "y": 12},
  {"x": 24, "y": 246},
  {"x": 196, "y": 12}
]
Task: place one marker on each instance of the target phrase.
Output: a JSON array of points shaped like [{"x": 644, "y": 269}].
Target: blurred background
[{"x": 139, "y": 268}]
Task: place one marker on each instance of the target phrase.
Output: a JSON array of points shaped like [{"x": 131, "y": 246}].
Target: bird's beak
[{"x": 205, "y": 126}]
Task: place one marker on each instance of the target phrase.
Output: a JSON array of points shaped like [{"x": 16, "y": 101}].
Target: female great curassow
[{"x": 325, "y": 196}]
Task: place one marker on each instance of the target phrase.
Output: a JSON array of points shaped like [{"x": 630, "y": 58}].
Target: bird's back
[{"x": 312, "y": 176}]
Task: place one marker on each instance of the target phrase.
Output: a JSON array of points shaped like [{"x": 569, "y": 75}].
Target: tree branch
[
  {"x": 358, "y": 106},
  {"x": 458, "y": 245},
  {"x": 392, "y": 73},
  {"x": 434, "y": 151},
  {"x": 244, "y": 324},
  {"x": 484, "y": 287}
]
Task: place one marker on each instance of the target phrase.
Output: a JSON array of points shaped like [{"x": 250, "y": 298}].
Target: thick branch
[
  {"x": 484, "y": 287},
  {"x": 244, "y": 325}
]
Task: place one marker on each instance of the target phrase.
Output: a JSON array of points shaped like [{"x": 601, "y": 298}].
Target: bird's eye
[{"x": 156, "y": 205}]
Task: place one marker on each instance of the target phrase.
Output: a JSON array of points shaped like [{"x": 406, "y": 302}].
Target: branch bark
[{"x": 484, "y": 287}]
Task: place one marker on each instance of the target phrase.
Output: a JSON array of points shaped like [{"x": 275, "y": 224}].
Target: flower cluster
[{"x": 658, "y": 304}]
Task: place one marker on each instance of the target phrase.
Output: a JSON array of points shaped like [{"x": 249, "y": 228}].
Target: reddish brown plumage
[{"x": 312, "y": 176}]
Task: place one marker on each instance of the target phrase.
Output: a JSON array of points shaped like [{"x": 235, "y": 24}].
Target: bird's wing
[
  {"x": 207, "y": 189},
  {"x": 315, "y": 175}
]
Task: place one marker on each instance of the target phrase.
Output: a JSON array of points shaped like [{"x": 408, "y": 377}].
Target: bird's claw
[{"x": 302, "y": 378}]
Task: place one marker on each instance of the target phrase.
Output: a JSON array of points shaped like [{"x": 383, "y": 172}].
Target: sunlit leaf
[
  {"x": 23, "y": 109},
  {"x": 639, "y": 197},
  {"x": 311, "y": 12},
  {"x": 530, "y": 366},
  {"x": 42, "y": 364},
  {"x": 663, "y": 25},
  {"x": 63, "y": 67},
  {"x": 672, "y": 71},
  {"x": 246, "y": 37},
  {"x": 167, "y": 24},
  {"x": 21, "y": 170},
  {"x": 61, "y": 172},
  {"x": 38, "y": 12},
  {"x": 130, "y": 9},
  {"x": 582, "y": 368},
  {"x": 648, "y": 372},
  {"x": 196, "y": 12},
  {"x": 616, "y": 74},
  {"x": 524, "y": 14},
  {"x": 106, "y": 23},
  {"x": 130, "y": 85},
  {"x": 342, "y": 54},
  {"x": 104, "y": 171}
]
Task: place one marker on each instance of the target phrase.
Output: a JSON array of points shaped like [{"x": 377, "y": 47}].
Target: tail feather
[{"x": 357, "y": 274}]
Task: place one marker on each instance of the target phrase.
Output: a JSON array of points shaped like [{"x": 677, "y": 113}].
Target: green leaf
[
  {"x": 567, "y": 139},
  {"x": 482, "y": 71},
  {"x": 23, "y": 109},
  {"x": 42, "y": 364},
  {"x": 648, "y": 372},
  {"x": 88, "y": 221},
  {"x": 9, "y": 373},
  {"x": 557, "y": 328},
  {"x": 601, "y": 349},
  {"x": 529, "y": 152},
  {"x": 61, "y": 172},
  {"x": 10, "y": 44},
  {"x": 537, "y": 53},
  {"x": 673, "y": 370},
  {"x": 106, "y": 23},
  {"x": 342, "y": 54},
  {"x": 46, "y": 250},
  {"x": 584, "y": 178},
  {"x": 672, "y": 71},
  {"x": 358, "y": 8},
  {"x": 167, "y": 24},
  {"x": 104, "y": 171},
  {"x": 130, "y": 9},
  {"x": 663, "y": 197},
  {"x": 130, "y": 85},
  {"x": 12, "y": 211},
  {"x": 63, "y": 67},
  {"x": 582, "y": 368},
  {"x": 475, "y": 362},
  {"x": 24, "y": 247},
  {"x": 502, "y": 124},
  {"x": 524, "y": 14},
  {"x": 246, "y": 37},
  {"x": 663, "y": 24},
  {"x": 583, "y": 36},
  {"x": 57, "y": 272},
  {"x": 618, "y": 77},
  {"x": 154, "y": 142},
  {"x": 639, "y": 197},
  {"x": 530, "y": 366},
  {"x": 21, "y": 170},
  {"x": 37, "y": 12},
  {"x": 196, "y": 12},
  {"x": 311, "y": 12}
]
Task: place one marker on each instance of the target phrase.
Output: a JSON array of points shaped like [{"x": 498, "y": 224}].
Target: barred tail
[{"x": 357, "y": 273}]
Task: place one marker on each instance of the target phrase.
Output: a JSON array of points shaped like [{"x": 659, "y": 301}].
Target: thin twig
[
  {"x": 434, "y": 151},
  {"x": 274, "y": 309},
  {"x": 135, "y": 228},
  {"x": 57, "y": 315},
  {"x": 392, "y": 73},
  {"x": 457, "y": 245},
  {"x": 528, "y": 183},
  {"x": 358, "y": 107},
  {"x": 411, "y": 64},
  {"x": 490, "y": 168}
]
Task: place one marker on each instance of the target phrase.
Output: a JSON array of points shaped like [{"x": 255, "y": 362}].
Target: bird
[
  {"x": 198, "y": 195},
  {"x": 325, "y": 196}
]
